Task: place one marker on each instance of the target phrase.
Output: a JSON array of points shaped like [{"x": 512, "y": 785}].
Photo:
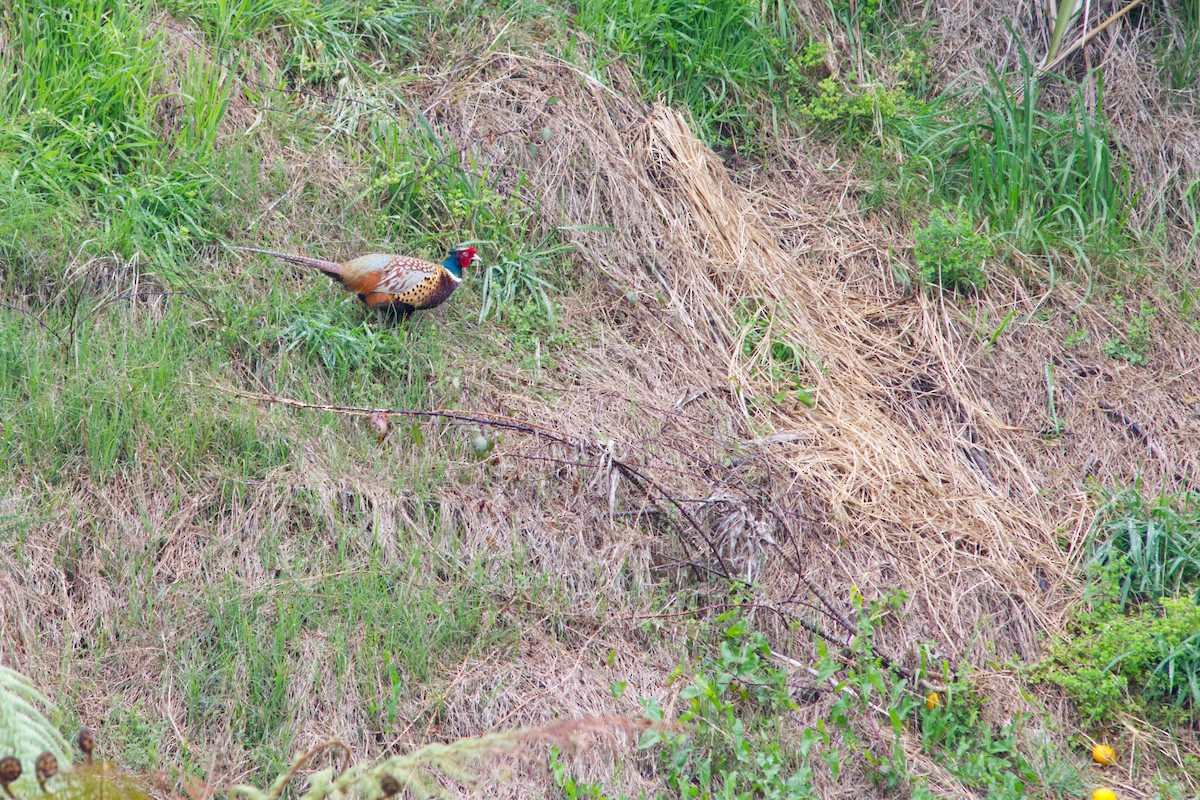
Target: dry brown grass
[{"x": 922, "y": 466}]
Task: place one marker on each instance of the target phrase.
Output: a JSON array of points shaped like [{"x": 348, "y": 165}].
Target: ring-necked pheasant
[{"x": 395, "y": 286}]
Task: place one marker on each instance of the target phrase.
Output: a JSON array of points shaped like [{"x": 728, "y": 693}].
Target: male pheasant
[{"x": 395, "y": 286}]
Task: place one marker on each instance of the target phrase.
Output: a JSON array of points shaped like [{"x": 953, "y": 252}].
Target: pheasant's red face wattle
[{"x": 466, "y": 256}]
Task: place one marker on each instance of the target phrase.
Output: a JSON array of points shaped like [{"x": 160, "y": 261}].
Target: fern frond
[
  {"x": 25, "y": 729},
  {"x": 423, "y": 772}
]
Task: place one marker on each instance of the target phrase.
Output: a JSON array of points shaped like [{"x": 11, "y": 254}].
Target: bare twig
[{"x": 639, "y": 479}]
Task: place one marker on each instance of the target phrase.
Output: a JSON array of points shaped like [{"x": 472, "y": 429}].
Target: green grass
[
  {"x": 1156, "y": 541},
  {"x": 720, "y": 59},
  {"x": 121, "y": 396},
  {"x": 424, "y": 186},
  {"x": 112, "y": 143},
  {"x": 85, "y": 140},
  {"x": 1180, "y": 56},
  {"x": 378, "y": 630},
  {"x": 321, "y": 42},
  {"x": 1047, "y": 183}
]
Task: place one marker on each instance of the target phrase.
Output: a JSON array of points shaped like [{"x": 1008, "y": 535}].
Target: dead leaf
[{"x": 380, "y": 421}]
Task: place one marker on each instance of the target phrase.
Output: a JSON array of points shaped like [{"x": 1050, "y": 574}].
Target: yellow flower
[
  {"x": 932, "y": 700},
  {"x": 1104, "y": 794}
]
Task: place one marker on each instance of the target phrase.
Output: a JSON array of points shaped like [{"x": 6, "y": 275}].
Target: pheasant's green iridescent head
[{"x": 459, "y": 259}]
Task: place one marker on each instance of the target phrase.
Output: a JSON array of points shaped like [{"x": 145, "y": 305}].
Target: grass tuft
[
  {"x": 1045, "y": 182},
  {"x": 721, "y": 59},
  {"x": 1157, "y": 542}
]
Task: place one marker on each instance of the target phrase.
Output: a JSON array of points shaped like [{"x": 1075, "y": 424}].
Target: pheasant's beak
[{"x": 476, "y": 260}]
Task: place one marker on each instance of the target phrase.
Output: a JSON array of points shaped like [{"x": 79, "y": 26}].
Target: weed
[
  {"x": 885, "y": 50},
  {"x": 1180, "y": 56},
  {"x": 321, "y": 42},
  {"x": 1054, "y": 423},
  {"x": 844, "y": 107},
  {"x": 136, "y": 733},
  {"x": 419, "y": 183},
  {"x": 1143, "y": 551},
  {"x": 120, "y": 402},
  {"x": 1155, "y": 542},
  {"x": 381, "y": 628},
  {"x": 1077, "y": 336},
  {"x": 511, "y": 279},
  {"x": 950, "y": 253},
  {"x": 784, "y": 363},
  {"x": 572, "y": 788},
  {"x": 1137, "y": 341},
  {"x": 1041, "y": 180},
  {"x": 953, "y": 731},
  {"x": 734, "y": 703},
  {"x": 980, "y": 757}
]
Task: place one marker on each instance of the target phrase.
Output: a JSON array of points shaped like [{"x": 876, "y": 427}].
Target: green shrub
[
  {"x": 950, "y": 253},
  {"x": 1145, "y": 661}
]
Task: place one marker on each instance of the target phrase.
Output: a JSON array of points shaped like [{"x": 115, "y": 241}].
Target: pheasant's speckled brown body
[{"x": 396, "y": 285}]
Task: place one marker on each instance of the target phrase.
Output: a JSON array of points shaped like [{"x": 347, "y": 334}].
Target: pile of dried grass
[
  {"x": 887, "y": 481},
  {"x": 923, "y": 465}
]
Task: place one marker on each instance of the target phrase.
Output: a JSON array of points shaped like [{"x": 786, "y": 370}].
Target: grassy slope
[{"x": 216, "y": 584}]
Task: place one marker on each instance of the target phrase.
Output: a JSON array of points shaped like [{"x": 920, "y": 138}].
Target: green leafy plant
[
  {"x": 976, "y": 753},
  {"x": 1133, "y": 349},
  {"x": 733, "y": 706},
  {"x": 1138, "y": 637},
  {"x": 950, "y": 253},
  {"x": 516, "y": 279},
  {"x": 25, "y": 728},
  {"x": 954, "y": 731},
  {"x": 783, "y": 362},
  {"x": 844, "y": 107},
  {"x": 572, "y": 788},
  {"x": 1077, "y": 336},
  {"x": 1146, "y": 660}
]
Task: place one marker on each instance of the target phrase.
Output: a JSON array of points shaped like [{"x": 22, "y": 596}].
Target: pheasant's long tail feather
[{"x": 330, "y": 268}]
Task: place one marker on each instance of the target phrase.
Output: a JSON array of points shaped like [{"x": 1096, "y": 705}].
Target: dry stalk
[{"x": 648, "y": 486}]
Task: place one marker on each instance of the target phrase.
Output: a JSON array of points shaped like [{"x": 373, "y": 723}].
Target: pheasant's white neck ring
[{"x": 457, "y": 280}]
